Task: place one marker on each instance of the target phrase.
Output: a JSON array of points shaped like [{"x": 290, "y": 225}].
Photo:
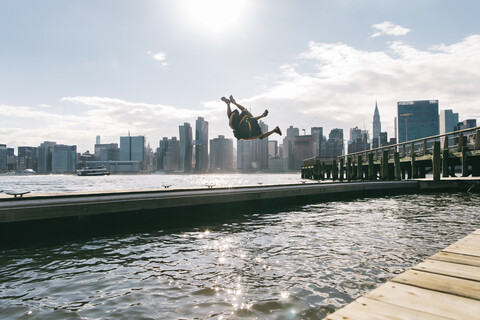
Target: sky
[{"x": 72, "y": 70}]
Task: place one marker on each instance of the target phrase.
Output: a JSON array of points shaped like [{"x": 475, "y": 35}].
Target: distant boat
[
  {"x": 28, "y": 171},
  {"x": 93, "y": 171}
]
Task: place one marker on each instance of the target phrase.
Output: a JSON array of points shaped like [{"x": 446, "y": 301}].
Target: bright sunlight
[{"x": 215, "y": 17}]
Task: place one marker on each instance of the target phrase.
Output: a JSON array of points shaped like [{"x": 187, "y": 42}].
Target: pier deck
[{"x": 444, "y": 286}]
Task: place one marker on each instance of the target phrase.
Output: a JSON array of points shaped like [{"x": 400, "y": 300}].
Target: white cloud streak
[
  {"x": 159, "y": 56},
  {"x": 388, "y": 28}
]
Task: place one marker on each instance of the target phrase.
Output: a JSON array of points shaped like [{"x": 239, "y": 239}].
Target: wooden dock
[
  {"x": 441, "y": 155},
  {"x": 445, "y": 286}
]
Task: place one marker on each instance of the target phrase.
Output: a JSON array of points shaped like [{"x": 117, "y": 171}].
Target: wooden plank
[
  {"x": 441, "y": 283},
  {"x": 368, "y": 309},
  {"x": 463, "y": 249},
  {"x": 426, "y": 301},
  {"x": 456, "y": 258},
  {"x": 449, "y": 269}
]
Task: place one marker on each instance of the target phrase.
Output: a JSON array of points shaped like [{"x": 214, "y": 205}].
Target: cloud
[
  {"x": 159, "y": 56},
  {"x": 337, "y": 84},
  {"x": 388, "y": 28}
]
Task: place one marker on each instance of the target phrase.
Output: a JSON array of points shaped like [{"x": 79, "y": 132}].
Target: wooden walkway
[{"x": 445, "y": 286}]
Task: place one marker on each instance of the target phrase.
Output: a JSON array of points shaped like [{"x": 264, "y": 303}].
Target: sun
[{"x": 215, "y": 17}]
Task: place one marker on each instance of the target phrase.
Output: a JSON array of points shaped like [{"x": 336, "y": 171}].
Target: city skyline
[{"x": 148, "y": 67}]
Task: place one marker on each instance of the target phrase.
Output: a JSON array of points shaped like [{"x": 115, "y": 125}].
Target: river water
[{"x": 301, "y": 262}]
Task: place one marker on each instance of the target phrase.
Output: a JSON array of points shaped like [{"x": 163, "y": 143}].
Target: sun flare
[{"x": 215, "y": 17}]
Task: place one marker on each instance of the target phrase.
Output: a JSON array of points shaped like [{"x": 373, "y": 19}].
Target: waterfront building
[
  {"x": 132, "y": 148},
  {"x": 107, "y": 152},
  {"x": 317, "y": 135},
  {"x": 417, "y": 119},
  {"x": 302, "y": 149},
  {"x": 292, "y": 132},
  {"x": 64, "y": 159},
  {"x": 27, "y": 158},
  {"x": 201, "y": 145},
  {"x": 272, "y": 149},
  {"x": 221, "y": 154},
  {"x": 466, "y": 124},
  {"x": 11, "y": 160},
  {"x": 288, "y": 145},
  {"x": 260, "y": 149},
  {"x": 448, "y": 121},
  {"x": 171, "y": 159},
  {"x": 160, "y": 153},
  {"x": 358, "y": 140},
  {"x": 377, "y": 127},
  {"x": 334, "y": 145},
  {"x": 277, "y": 165},
  {"x": 383, "y": 139},
  {"x": 245, "y": 156},
  {"x": 45, "y": 156},
  {"x": 186, "y": 147},
  {"x": 3, "y": 157}
]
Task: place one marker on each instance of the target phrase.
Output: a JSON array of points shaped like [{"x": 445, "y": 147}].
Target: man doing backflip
[{"x": 245, "y": 125}]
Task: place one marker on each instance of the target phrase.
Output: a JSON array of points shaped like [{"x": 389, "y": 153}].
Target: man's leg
[
  {"x": 242, "y": 108},
  {"x": 266, "y": 134},
  {"x": 229, "y": 110}
]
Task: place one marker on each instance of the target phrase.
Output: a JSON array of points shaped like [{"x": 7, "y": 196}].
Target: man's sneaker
[
  {"x": 265, "y": 113},
  {"x": 232, "y": 100},
  {"x": 225, "y": 100},
  {"x": 277, "y": 130}
]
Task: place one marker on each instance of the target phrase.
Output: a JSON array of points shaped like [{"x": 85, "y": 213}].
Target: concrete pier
[{"x": 34, "y": 207}]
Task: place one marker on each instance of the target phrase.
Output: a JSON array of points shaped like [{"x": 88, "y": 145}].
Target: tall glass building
[
  {"x": 186, "y": 147},
  {"x": 448, "y": 121},
  {"x": 64, "y": 159},
  {"x": 201, "y": 144},
  {"x": 132, "y": 149},
  {"x": 417, "y": 119}
]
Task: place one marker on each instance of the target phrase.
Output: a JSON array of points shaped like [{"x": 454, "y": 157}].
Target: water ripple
[{"x": 297, "y": 264}]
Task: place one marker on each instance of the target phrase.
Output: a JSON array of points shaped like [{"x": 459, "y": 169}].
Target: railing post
[
  {"x": 371, "y": 168},
  {"x": 342, "y": 168},
  {"x": 334, "y": 170},
  {"x": 436, "y": 161},
  {"x": 460, "y": 144},
  {"x": 349, "y": 169},
  {"x": 425, "y": 147},
  {"x": 359, "y": 167},
  {"x": 464, "y": 162},
  {"x": 396, "y": 161},
  {"x": 414, "y": 174},
  {"x": 384, "y": 165},
  {"x": 477, "y": 140}
]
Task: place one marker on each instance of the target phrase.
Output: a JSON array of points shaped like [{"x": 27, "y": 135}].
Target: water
[
  {"x": 72, "y": 183},
  {"x": 302, "y": 262}
]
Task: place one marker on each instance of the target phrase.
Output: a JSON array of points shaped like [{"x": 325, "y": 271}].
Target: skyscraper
[
  {"x": 3, "y": 157},
  {"x": 64, "y": 159},
  {"x": 221, "y": 154},
  {"x": 448, "y": 121},
  {"x": 186, "y": 147},
  {"x": 317, "y": 135},
  {"x": 377, "y": 127},
  {"x": 133, "y": 149},
  {"x": 417, "y": 119},
  {"x": 45, "y": 156},
  {"x": 27, "y": 158},
  {"x": 201, "y": 145}
]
